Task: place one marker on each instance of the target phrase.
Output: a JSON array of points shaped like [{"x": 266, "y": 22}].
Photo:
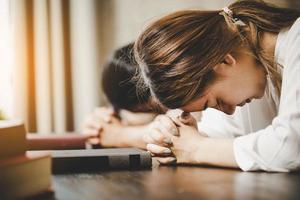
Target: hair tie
[{"x": 228, "y": 14}]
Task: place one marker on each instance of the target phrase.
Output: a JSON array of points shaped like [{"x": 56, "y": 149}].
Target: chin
[
  {"x": 230, "y": 111},
  {"x": 258, "y": 95},
  {"x": 263, "y": 88},
  {"x": 261, "y": 92}
]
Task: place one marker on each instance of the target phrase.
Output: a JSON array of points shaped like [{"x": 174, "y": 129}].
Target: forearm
[{"x": 215, "y": 152}]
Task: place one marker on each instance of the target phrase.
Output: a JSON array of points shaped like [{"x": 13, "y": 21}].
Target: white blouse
[{"x": 266, "y": 131}]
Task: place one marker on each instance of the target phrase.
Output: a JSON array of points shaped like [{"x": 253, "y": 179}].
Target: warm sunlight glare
[{"x": 6, "y": 94}]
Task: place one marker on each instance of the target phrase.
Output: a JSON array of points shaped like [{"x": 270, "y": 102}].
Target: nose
[{"x": 227, "y": 109}]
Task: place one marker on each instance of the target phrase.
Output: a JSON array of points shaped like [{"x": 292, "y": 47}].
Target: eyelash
[
  {"x": 218, "y": 104},
  {"x": 206, "y": 105}
]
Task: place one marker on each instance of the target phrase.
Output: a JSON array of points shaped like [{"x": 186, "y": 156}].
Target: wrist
[
  {"x": 132, "y": 136},
  {"x": 199, "y": 153},
  {"x": 215, "y": 152},
  {"x": 193, "y": 154}
]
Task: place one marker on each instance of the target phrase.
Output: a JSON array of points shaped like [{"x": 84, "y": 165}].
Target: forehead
[{"x": 151, "y": 106}]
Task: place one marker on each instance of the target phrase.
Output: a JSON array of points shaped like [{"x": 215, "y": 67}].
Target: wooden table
[{"x": 181, "y": 182}]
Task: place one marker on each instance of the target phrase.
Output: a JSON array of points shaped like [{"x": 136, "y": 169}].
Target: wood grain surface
[{"x": 181, "y": 182}]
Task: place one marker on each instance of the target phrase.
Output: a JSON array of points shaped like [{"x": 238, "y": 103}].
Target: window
[{"x": 6, "y": 90}]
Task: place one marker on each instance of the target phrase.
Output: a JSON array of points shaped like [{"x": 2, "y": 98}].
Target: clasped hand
[{"x": 174, "y": 138}]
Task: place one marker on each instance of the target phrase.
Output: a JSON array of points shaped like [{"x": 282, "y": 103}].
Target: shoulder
[
  {"x": 287, "y": 45},
  {"x": 293, "y": 34},
  {"x": 296, "y": 26}
]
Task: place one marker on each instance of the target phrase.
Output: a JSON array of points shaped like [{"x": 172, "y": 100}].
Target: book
[
  {"x": 12, "y": 139},
  {"x": 25, "y": 175},
  {"x": 56, "y": 142},
  {"x": 92, "y": 160}
]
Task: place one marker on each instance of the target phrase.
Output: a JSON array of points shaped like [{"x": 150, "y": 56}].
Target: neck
[{"x": 268, "y": 43}]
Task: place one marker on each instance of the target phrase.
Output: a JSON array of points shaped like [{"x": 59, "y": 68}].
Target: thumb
[{"x": 188, "y": 119}]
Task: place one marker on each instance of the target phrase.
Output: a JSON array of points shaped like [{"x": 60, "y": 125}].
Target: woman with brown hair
[
  {"x": 124, "y": 121},
  {"x": 221, "y": 59}
]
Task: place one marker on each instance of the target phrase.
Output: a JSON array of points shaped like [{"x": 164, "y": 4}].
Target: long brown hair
[
  {"x": 117, "y": 83},
  {"x": 177, "y": 53}
]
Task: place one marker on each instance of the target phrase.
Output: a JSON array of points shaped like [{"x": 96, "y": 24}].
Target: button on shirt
[{"x": 267, "y": 130}]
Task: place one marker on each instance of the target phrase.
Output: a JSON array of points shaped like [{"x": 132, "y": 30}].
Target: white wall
[
  {"x": 122, "y": 20},
  {"x": 130, "y": 16}
]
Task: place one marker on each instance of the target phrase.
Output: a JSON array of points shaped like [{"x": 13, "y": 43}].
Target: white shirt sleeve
[
  {"x": 277, "y": 147},
  {"x": 217, "y": 124}
]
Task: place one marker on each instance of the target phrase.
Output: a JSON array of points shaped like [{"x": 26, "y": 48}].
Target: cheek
[
  {"x": 231, "y": 101},
  {"x": 230, "y": 92},
  {"x": 233, "y": 96}
]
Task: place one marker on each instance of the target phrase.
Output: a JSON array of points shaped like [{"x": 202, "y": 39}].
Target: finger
[
  {"x": 104, "y": 114},
  {"x": 166, "y": 160},
  {"x": 176, "y": 120},
  {"x": 157, "y": 136},
  {"x": 156, "y": 149},
  {"x": 94, "y": 140},
  {"x": 174, "y": 113},
  {"x": 188, "y": 119},
  {"x": 167, "y": 125},
  {"x": 148, "y": 139},
  {"x": 91, "y": 122},
  {"x": 91, "y": 132},
  {"x": 164, "y": 131},
  {"x": 152, "y": 154},
  {"x": 161, "y": 138},
  {"x": 93, "y": 125}
]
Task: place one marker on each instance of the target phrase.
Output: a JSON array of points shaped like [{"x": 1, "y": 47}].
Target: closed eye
[{"x": 218, "y": 105}]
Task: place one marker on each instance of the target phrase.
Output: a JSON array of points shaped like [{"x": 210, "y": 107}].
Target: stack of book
[{"x": 23, "y": 174}]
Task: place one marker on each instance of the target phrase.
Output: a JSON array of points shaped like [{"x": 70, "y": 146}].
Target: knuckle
[
  {"x": 157, "y": 136},
  {"x": 147, "y": 138}
]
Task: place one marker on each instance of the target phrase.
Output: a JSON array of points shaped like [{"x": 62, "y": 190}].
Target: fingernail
[
  {"x": 152, "y": 154},
  {"x": 172, "y": 159},
  {"x": 167, "y": 151},
  {"x": 167, "y": 141}
]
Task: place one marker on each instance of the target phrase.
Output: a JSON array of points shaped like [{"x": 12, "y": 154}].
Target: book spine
[
  {"x": 12, "y": 141},
  {"x": 99, "y": 163},
  {"x": 56, "y": 142},
  {"x": 26, "y": 178}
]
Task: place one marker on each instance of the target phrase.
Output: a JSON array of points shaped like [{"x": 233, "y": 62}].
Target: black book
[{"x": 93, "y": 160}]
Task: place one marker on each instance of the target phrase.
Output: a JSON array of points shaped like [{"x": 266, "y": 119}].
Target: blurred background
[{"x": 52, "y": 53}]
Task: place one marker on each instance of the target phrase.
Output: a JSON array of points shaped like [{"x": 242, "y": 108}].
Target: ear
[{"x": 229, "y": 61}]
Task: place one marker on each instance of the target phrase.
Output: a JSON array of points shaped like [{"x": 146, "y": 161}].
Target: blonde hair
[{"x": 177, "y": 53}]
